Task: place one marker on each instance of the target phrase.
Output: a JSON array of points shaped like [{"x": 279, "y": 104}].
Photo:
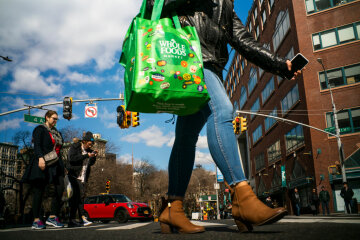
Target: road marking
[
  {"x": 48, "y": 228},
  {"x": 320, "y": 220},
  {"x": 130, "y": 226},
  {"x": 207, "y": 223}
]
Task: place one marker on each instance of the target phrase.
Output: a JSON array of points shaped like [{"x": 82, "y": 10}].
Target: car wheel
[
  {"x": 121, "y": 216},
  {"x": 105, "y": 221}
]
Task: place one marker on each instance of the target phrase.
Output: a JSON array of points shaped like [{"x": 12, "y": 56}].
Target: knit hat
[{"x": 88, "y": 137}]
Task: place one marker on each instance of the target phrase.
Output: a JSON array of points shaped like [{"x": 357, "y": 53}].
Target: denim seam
[{"x": 220, "y": 143}]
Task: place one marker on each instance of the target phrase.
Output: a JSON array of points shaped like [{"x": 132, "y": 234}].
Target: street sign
[
  {"x": 219, "y": 176},
  {"x": 33, "y": 119},
  {"x": 330, "y": 129},
  {"x": 283, "y": 177},
  {"x": 345, "y": 129},
  {"x": 91, "y": 111}
]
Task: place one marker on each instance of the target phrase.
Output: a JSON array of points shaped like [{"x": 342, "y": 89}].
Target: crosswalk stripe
[
  {"x": 130, "y": 226},
  {"x": 319, "y": 220},
  {"x": 204, "y": 224}
]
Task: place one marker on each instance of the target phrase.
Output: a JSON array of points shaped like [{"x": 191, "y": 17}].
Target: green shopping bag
[{"x": 163, "y": 65}]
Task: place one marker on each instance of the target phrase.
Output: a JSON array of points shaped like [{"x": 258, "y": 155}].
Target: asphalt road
[{"x": 288, "y": 228}]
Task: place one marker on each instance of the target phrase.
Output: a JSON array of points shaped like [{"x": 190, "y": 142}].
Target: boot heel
[
  {"x": 166, "y": 228},
  {"x": 243, "y": 226}
]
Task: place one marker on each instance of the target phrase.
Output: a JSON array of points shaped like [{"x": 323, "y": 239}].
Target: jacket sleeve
[
  {"x": 92, "y": 161},
  {"x": 38, "y": 137},
  {"x": 243, "y": 42},
  {"x": 76, "y": 157}
]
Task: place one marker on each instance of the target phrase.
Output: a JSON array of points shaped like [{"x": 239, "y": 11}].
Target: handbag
[
  {"x": 68, "y": 190},
  {"x": 51, "y": 157},
  {"x": 163, "y": 65}
]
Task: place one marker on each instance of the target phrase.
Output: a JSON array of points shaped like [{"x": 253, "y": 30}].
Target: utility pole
[{"x": 338, "y": 139}]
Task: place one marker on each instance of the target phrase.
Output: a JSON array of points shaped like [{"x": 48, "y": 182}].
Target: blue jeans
[
  {"x": 218, "y": 114},
  {"x": 297, "y": 209},
  {"x": 325, "y": 205}
]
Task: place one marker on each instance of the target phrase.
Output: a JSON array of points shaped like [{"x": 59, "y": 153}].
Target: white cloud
[
  {"x": 78, "y": 95},
  {"x": 152, "y": 136},
  {"x": 202, "y": 142},
  {"x": 30, "y": 80},
  {"x": 10, "y": 124},
  {"x": 203, "y": 158},
  {"x": 76, "y": 77},
  {"x": 108, "y": 117},
  {"x": 59, "y": 34}
]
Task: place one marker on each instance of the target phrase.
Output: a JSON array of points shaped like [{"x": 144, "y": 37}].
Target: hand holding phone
[{"x": 297, "y": 63}]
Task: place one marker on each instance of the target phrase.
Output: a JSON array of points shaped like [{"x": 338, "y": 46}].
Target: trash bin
[{"x": 354, "y": 207}]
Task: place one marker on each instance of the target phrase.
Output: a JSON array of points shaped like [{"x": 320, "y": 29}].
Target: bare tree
[
  {"x": 69, "y": 133},
  {"x": 22, "y": 139}
]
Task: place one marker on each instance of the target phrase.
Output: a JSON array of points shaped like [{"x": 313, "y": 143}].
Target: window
[
  {"x": 290, "y": 99},
  {"x": 250, "y": 27},
  {"x": 339, "y": 77},
  {"x": 257, "y": 32},
  {"x": 282, "y": 27},
  {"x": 269, "y": 122},
  {"x": 255, "y": 14},
  {"x": 319, "y": 5},
  {"x": 253, "y": 80},
  {"x": 236, "y": 105},
  {"x": 257, "y": 134},
  {"x": 243, "y": 97},
  {"x": 259, "y": 162},
  {"x": 269, "y": 88},
  {"x": 294, "y": 138},
  {"x": 336, "y": 36},
  {"x": 255, "y": 107},
  {"x": 274, "y": 152},
  {"x": 271, "y": 3},
  {"x": 263, "y": 17},
  {"x": 348, "y": 119}
]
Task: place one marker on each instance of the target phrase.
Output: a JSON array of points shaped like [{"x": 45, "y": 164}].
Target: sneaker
[
  {"x": 38, "y": 225},
  {"x": 86, "y": 222},
  {"x": 54, "y": 222}
]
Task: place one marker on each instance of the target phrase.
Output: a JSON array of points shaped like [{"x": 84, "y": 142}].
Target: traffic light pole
[
  {"x": 40, "y": 106},
  {"x": 285, "y": 120}
]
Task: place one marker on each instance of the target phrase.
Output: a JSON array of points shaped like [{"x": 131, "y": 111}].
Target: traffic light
[
  {"x": 107, "y": 187},
  {"x": 135, "y": 119},
  {"x": 128, "y": 119},
  {"x": 243, "y": 124},
  {"x": 120, "y": 115},
  {"x": 67, "y": 108},
  {"x": 236, "y": 125}
]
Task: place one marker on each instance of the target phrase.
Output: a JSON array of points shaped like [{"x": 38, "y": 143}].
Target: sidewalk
[{"x": 332, "y": 215}]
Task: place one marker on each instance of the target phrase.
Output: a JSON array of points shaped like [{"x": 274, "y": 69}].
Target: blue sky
[{"x": 71, "y": 48}]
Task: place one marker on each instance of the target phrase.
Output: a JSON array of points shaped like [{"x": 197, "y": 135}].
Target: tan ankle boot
[
  {"x": 248, "y": 210},
  {"x": 173, "y": 217}
]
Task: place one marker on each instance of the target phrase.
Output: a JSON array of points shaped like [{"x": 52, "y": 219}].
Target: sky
[{"x": 71, "y": 48}]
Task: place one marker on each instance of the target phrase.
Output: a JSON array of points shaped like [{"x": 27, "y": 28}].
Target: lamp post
[{"x": 340, "y": 146}]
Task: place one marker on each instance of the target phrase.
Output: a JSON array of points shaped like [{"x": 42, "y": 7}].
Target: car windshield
[{"x": 121, "y": 198}]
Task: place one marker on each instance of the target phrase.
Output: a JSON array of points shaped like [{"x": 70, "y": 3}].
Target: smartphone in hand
[{"x": 297, "y": 63}]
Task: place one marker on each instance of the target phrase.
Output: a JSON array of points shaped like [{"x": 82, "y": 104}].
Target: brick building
[{"x": 326, "y": 29}]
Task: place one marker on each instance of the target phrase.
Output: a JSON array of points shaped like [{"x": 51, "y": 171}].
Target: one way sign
[{"x": 91, "y": 111}]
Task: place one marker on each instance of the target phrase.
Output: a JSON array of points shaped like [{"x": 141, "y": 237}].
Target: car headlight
[{"x": 129, "y": 205}]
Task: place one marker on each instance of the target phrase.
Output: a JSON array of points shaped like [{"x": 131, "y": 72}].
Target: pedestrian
[
  {"x": 81, "y": 157},
  {"x": 297, "y": 201},
  {"x": 269, "y": 202},
  {"x": 217, "y": 26},
  {"x": 228, "y": 208},
  {"x": 41, "y": 174},
  {"x": 347, "y": 194},
  {"x": 324, "y": 198},
  {"x": 314, "y": 202}
]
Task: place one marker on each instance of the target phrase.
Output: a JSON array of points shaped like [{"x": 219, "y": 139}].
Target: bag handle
[
  {"x": 157, "y": 10},
  {"x": 143, "y": 9}
]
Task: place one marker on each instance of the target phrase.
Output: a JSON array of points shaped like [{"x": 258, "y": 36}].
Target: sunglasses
[{"x": 56, "y": 119}]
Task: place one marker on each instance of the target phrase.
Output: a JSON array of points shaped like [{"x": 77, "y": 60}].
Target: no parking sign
[{"x": 91, "y": 111}]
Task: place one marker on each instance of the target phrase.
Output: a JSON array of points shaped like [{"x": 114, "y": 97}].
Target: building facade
[{"x": 279, "y": 156}]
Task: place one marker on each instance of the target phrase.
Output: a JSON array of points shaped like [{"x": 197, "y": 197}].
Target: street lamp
[{"x": 340, "y": 146}]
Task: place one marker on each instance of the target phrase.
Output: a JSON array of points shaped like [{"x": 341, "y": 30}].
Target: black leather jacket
[{"x": 218, "y": 25}]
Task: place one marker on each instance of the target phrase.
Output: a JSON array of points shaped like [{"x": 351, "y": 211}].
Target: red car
[{"x": 116, "y": 207}]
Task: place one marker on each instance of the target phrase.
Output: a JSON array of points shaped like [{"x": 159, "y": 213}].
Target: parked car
[{"x": 116, "y": 207}]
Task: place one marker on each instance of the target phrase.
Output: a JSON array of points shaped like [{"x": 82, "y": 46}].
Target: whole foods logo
[{"x": 171, "y": 46}]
